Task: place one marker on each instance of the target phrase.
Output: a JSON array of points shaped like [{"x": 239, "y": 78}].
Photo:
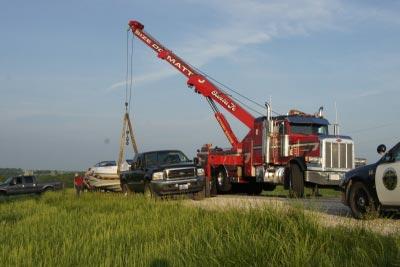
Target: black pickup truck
[
  {"x": 165, "y": 172},
  {"x": 27, "y": 184}
]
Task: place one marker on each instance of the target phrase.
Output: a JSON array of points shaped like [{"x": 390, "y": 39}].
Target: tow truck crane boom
[{"x": 201, "y": 84}]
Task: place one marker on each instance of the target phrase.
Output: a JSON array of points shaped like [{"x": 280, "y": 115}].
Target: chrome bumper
[{"x": 324, "y": 178}]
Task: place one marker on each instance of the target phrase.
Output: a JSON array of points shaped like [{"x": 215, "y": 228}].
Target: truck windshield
[
  {"x": 6, "y": 181},
  {"x": 171, "y": 157},
  {"x": 309, "y": 129}
]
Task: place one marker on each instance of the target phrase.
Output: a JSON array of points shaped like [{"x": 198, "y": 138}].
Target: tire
[
  {"x": 296, "y": 180},
  {"x": 125, "y": 190},
  {"x": 224, "y": 185},
  {"x": 48, "y": 189},
  {"x": 148, "y": 192},
  {"x": 361, "y": 202}
]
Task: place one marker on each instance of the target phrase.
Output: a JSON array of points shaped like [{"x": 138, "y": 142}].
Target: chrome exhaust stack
[
  {"x": 320, "y": 110},
  {"x": 268, "y": 126}
]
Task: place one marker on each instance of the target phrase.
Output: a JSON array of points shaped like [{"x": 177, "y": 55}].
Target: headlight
[
  {"x": 200, "y": 172},
  {"x": 314, "y": 160},
  {"x": 158, "y": 176}
]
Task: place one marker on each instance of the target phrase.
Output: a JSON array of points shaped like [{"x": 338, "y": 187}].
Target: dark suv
[{"x": 164, "y": 172}]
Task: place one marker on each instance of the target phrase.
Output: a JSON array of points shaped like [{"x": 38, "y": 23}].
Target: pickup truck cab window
[
  {"x": 28, "y": 179},
  {"x": 150, "y": 159},
  {"x": 138, "y": 164},
  {"x": 16, "y": 180}
]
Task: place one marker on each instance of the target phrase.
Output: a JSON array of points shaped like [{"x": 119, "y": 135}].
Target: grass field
[{"x": 106, "y": 229}]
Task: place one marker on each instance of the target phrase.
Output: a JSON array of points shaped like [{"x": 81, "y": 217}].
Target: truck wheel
[
  {"x": 48, "y": 189},
  {"x": 224, "y": 185},
  {"x": 361, "y": 202},
  {"x": 148, "y": 192},
  {"x": 296, "y": 179},
  {"x": 125, "y": 190}
]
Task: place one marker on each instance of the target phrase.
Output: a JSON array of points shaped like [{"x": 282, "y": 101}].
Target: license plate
[
  {"x": 183, "y": 186},
  {"x": 334, "y": 177}
]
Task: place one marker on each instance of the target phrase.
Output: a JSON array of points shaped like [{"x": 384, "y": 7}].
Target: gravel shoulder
[{"x": 330, "y": 212}]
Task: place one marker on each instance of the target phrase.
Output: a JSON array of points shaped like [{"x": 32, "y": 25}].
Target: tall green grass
[{"x": 108, "y": 229}]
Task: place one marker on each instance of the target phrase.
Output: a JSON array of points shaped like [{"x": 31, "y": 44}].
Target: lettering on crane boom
[
  {"x": 179, "y": 65},
  {"x": 224, "y": 101}
]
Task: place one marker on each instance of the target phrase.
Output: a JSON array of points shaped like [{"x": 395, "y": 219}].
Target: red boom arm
[{"x": 201, "y": 83}]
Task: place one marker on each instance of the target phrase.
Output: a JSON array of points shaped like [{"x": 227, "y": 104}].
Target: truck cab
[
  {"x": 163, "y": 172},
  {"x": 374, "y": 187},
  {"x": 298, "y": 151}
]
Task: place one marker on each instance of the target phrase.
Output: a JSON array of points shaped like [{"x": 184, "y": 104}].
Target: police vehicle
[{"x": 374, "y": 188}]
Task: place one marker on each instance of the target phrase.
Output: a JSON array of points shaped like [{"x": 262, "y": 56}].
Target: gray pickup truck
[
  {"x": 27, "y": 184},
  {"x": 164, "y": 172}
]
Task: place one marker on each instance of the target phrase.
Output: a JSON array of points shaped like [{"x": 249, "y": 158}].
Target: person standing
[{"x": 78, "y": 184}]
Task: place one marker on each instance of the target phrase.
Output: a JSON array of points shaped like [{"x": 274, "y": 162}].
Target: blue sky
[{"x": 62, "y": 69}]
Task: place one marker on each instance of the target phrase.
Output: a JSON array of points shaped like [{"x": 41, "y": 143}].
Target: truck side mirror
[
  {"x": 381, "y": 149},
  {"x": 196, "y": 161}
]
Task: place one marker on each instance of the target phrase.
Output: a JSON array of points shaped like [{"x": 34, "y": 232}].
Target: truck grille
[
  {"x": 181, "y": 173},
  {"x": 339, "y": 155}
]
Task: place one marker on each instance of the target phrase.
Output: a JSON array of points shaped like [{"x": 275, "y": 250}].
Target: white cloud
[
  {"x": 370, "y": 93},
  {"x": 141, "y": 79},
  {"x": 253, "y": 22}
]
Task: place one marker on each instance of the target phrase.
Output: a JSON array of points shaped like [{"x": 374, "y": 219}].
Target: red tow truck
[{"x": 294, "y": 150}]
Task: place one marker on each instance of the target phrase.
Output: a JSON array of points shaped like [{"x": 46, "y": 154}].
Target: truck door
[
  {"x": 29, "y": 184},
  {"x": 16, "y": 186},
  {"x": 137, "y": 178},
  {"x": 387, "y": 178}
]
